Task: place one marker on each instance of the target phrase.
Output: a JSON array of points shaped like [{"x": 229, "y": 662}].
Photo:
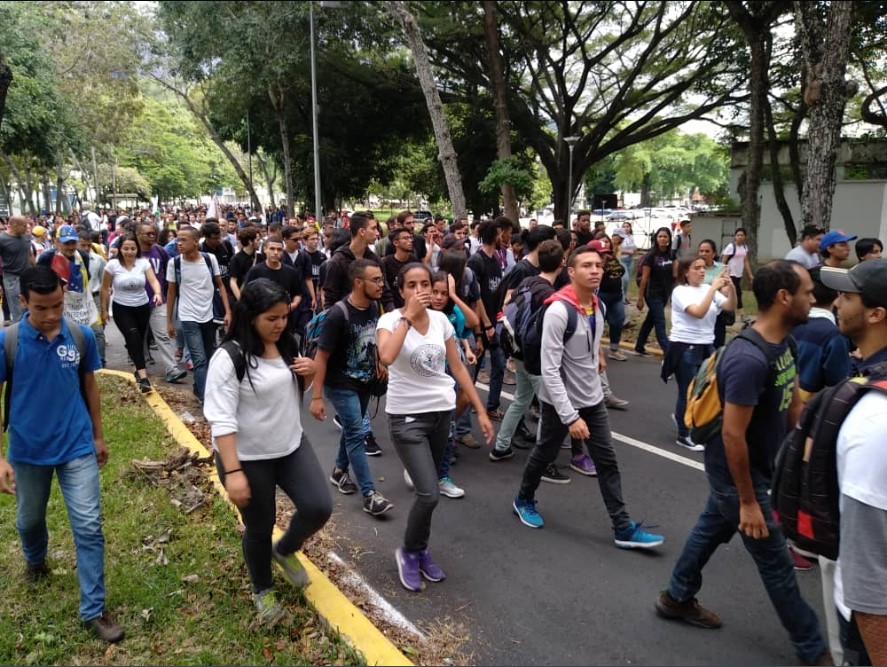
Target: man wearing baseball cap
[{"x": 834, "y": 248}]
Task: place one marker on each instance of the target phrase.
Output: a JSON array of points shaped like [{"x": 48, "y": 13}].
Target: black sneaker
[
  {"x": 553, "y": 475},
  {"x": 371, "y": 447},
  {"x": 145, "y": 385},
  {"x": 36, "y": 573},
  {"x": 497, "y": 455},
  {"x": 106, "y": 628},
  {"x": 342, "y": 481},
  {"x": 690, "y": 612},
  {"x": 376, "y": 504}
]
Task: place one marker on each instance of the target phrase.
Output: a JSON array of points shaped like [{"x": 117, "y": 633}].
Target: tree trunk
[
  {"x": 646, "y": 192},
  {"x": 61, "y": 202},
  {"x": 778, "y": 187},
  {"x": 269, "y": 179},
  {"x": 5, "y": 81},
  {"x": 500, "y": 104},
  {"x": 826, "y": 49},
  {"x": 278, "y": 103},
  {"x": 447, "y": 153},
  {"x": 44, "y": 181}
]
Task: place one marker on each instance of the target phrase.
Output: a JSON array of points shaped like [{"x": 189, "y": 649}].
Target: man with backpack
[
  {"x": 757, "y": 380},
  {"x": 572, "y": 400}
]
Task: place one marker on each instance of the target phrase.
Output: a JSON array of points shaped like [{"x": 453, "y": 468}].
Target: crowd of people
[{"x": 263, "y": 309}]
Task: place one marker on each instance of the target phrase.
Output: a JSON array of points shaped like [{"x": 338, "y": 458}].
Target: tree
[{"x": 5, "y": 80}]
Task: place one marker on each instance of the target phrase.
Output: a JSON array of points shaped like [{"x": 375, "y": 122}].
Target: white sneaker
[
  {"x": 449, "y": 489},
  {"x": 408, "y": 480}
]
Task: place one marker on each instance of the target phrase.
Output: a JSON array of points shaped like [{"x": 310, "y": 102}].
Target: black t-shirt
[
  {"x": 746, "y": 379},
  {"x": 582, "y": 238},
  {"x": 224, "y": 252},
  {"x": 240, "y": 265},
  {"x": 352, "y": 346},
  {"x": 286, "y": 276},
  {"x": 661, "y": 278},
  {"x": 391, "y": 266},
  {"x": 489, "y": 275},
  {"x": 314, "y": 260},
  {"x": 611, "y": 283},
  {"x": 419, "y": 247},
  {"x": 523, "y": 269}
]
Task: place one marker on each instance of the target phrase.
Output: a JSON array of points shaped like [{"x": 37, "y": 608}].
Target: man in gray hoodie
[{"x": 572, "y": 400}]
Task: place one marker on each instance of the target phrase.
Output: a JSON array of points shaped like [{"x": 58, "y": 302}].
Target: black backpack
[
  {"x": 515, "y": 317},
  {"x": 531, "y": 343},
  {"x": 805, "y": 481},
  {"x": 232, "y": 349}
]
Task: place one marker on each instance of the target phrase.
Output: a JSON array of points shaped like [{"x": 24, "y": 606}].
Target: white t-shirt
[
  {"x": 196, "y": 291},
  {"x": 128, "y": 285},
  {"x": 806, "y": 259},
  {"x": 417, "y": 380},
  {"x": 737, "y": 264},
  {"x": 694, "y": 330}
]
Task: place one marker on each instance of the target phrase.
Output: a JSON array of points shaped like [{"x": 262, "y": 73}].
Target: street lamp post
[
  {"x": 570, "y": 141},
  {"x": 317, "y": 212}
]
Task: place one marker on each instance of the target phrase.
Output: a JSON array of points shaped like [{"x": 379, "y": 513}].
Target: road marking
[{"x": 658, "y": 451}]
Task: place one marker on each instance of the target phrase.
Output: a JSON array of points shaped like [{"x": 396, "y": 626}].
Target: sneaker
[
  {"x": 179, "y": 353},
  {"x": 617, "y": 355},
  {"x": 371, "y": 447},
  {"x": 408, "y": 480},
  {"x": 175, "y": 375},
  {"x": 269, "y": 608},
  {"x": 145, "y": 385},
  {"x": 469, "y": 441},
  {"x": 801, "y": 564},
  {"x": 408, "y": 569},
  {"x": 635, "y": 537},
  {"x": 583, "y": 465},
  {"x": 429, "y": 569},
  {"x": 376, "y": 504},
  {"x": 555, "y": 476},
  {"x": 292, "y": 568},
  {"x": 483, "y": 376},
  {"x": 342, "y": 481},
  {"x": 685, "y": 441},
  {"x": 509, "y": 378},
  {"x": 106, "y": 628},
  {"x": 614, "y": 402},
  {"x": 449, "y": 489},
  {"x": 690, "y": 612},
  {"x": 337, "y": 422},
  {"x": 640, "y": 353},
  {"x": 495, "y": 415},
  {"x": 501, "y": 455},
  {"x": 526, "y": 512},
  {"x": 36, "y": 573}
]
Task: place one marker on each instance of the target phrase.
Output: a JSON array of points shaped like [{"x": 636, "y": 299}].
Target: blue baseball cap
[
  {"x": 833, "y": 237},
  {"x": 67, "y": 233}
]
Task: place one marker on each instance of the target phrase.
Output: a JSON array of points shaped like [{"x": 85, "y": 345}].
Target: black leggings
[
  {"x": 133, "y": 322},
  {"x": 300, "y": 477}
]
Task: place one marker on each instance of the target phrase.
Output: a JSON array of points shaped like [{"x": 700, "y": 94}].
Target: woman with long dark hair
[
  {"x": 657, "y": 280},
  {"x": 253, "y": 393}
]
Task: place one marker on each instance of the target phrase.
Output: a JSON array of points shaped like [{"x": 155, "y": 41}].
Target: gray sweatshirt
[{"x": 570, "y": 377}]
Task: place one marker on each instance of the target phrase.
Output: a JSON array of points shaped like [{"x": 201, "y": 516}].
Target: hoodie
[
  {"x": 336, "y": 285},
  {"x": 570, "y": 376}
]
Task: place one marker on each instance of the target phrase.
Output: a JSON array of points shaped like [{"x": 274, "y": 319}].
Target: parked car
[{"x": 423, "y": 215}]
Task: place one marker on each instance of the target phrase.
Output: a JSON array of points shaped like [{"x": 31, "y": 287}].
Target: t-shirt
[
  {"x": 223, "y": 253},
  {"x": 737, "y": 263},
  {"x": 285, "y": 276},
  {"x": 489, "y": 275},
  {"x": 417, "y": 380},
  {"x": 661, "y": 278},
  {"x": 129, "y": 284},
  {"x": 15, "y": 251},
  {"x": 195, "y": 294},
  {"x": 686, "y": 328},
  {"x": 49, "y": 422},
  {"x": 806, "y": 259},
  {"x": 522, "y": 269},
  {"x": 315, "y": 259},
  {"x": 352, "y": 346},
  {"x": 157, "y": 258},
  {"x": 391, "y": 267},
  {"x": 240, "y": 265},
  {"x": 744, "y": 373},
  {"x": 683, "y": 245},
  {"x": 611, "y": 282}
]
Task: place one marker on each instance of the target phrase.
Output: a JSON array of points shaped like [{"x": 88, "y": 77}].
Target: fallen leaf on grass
[
  {"x": 146, "y": 614},
  {"x": 191, "y": 578}
]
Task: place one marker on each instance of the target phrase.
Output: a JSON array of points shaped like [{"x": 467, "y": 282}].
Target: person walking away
[
  {"x": 258, "y": 440},
  {"x": 68, "y": 443},
  {"x": 572, "y": 400},
  {"x": 806, "y": 253},
  {"x": 761, "y": 403},
  {"x": 16, "y": 255},
  {"x": 736, "y": 257},
  {"x": 657, "y": 280},
  {"x": 415, "y": 343}
]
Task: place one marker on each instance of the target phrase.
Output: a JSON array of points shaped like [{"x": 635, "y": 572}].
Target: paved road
[{"x": 564, "y": 594}]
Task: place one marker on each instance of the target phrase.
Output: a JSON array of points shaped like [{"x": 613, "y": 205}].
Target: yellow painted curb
[{"x": 336, "y": 610}]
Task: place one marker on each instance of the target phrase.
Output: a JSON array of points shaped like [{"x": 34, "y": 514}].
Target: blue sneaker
[
  {"x": 428, "y": 568},
  {"x": 526, "y": 512},
  {"x": 408, "y": 569},
  {"x": 635, "y": 537}
]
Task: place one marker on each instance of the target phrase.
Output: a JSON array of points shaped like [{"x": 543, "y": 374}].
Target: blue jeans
[
  {"x": 351, "y": 406},
  {"x": 79, "y": 483},
  {"x": 716, "y": 525},
  {"x": 655, "y": 318},
  {"x": 526, "y": 386},
  {"x": 691, "y": 360},
  {"x": 627, "y": 262},
  {"x": 497, "y": 374},
  {"x": 200, "y": 339},
  {"x": 615, "y": 316}
]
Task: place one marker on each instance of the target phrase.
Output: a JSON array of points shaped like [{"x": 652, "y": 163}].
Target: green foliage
[{"x": 511, "y": 172}]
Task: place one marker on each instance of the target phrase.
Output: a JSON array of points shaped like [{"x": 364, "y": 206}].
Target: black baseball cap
[{"x": 867, "y": 278}]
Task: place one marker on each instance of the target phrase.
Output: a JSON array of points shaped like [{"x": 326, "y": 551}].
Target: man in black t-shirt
[
  {"x": 214, "y": 244},
  {"x": 582, "y": 227},
  {"x": 402, "y": 242},
  {"x": 244, "y": 260},
  {"x": 314, "y": 258},
  {"x": 761, "y": 402},
  {"x": 285, "y": 276}
]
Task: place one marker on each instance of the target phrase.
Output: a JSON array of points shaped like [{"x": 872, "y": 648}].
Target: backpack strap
[
  {"x": 572, "y": 323},
  {"x": 232, "y": 347}
]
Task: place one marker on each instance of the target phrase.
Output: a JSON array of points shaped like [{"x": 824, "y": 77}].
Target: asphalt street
[{"x": 564, "y": 594}]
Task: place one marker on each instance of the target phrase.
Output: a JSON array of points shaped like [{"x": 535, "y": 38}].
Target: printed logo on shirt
[
  {"x": 69, "y": 356},
  {"x": 785, "y": 378},
  {"x": 427, "y": 360}
]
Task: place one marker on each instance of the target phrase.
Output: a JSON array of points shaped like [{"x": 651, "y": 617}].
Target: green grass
[{"x": 168, "y": 619}]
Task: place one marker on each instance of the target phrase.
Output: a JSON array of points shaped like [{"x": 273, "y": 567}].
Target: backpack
[
  {"x": 308, "y": 344},
  {"x": 10, "y": 349},
  {"x": 515, "y": 316},
  {"x": 233, "y": 349},
  {"x": 704, "y": 414},
  {"x": 805, "y": 482},
  {"x": 218, "y": 306},
  {"x": 531, "y": 341}
]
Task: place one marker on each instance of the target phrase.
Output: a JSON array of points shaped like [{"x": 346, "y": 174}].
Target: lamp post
[
  {"x": 570, "y": 141},
  {"x": 327, "y": 4}
]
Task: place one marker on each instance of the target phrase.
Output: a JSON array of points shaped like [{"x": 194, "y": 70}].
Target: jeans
[
  {"x": 79, "y": 484},
  {"x": 301, "y": 478},
  {"x": 12, "y": 289},
  {"x": 420, "y": 441},
  {"x": 691, "y": 360},
  {"x": 200, "y": 339},
  {"x": 655, "y": 318},
  {"x": 600, "y": 448},
  {"x": 525, "y": 388},
  {"x": 157, "y": 323},
  {"x": 133, "y": 324},
  {"x": 351, "y": 406},
  {"x": 99, "y": 330},
  {"x": 497, "y": 374},
  {"x": 615, "y": 316},
  {"x": 627, "y": 262},
  {"x": 443, "y": 470},
  {"x": 716, "y": 525}
]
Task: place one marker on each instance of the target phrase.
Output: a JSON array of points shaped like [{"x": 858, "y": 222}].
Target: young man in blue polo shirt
[{"x": 67, "y": 441}]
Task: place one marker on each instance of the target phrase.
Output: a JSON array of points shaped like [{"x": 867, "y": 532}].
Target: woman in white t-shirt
[
  {"x": 126, "y": 276},
  {"x": 416, "y": 344},
  {"x": 694, "y": 310},
  {"x": 736, "y": 258}
]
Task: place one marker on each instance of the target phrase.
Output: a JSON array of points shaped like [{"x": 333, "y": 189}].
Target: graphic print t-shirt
[{"x": 352, "y": 346}]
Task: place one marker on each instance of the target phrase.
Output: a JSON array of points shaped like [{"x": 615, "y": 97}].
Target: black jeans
[
  {"x": 600, "y": 448},
  {"x": 133, "y": 322},
  {"x": 301, "y": 478}
]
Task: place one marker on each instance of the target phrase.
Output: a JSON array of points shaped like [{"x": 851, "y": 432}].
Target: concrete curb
[{"x": 334, "y": 608}]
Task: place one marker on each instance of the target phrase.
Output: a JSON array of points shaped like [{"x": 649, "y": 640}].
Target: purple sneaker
[
  {"x": 429, "y": 569},
  {"x": 583, "y": 465},
  {"x": 408, "y": 569}
]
